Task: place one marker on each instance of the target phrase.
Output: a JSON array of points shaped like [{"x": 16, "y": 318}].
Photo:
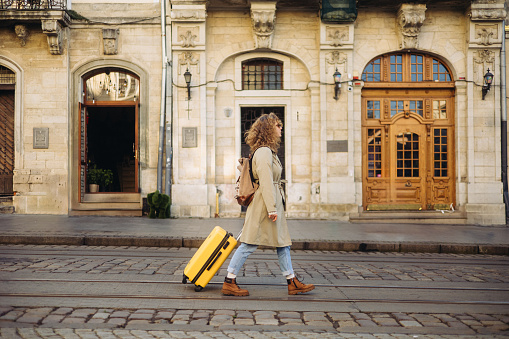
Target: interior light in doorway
[
  {"x": 187, "y": 77},
  {"x": 488, "y": 80},
  {"x": 337, "y": 84}
]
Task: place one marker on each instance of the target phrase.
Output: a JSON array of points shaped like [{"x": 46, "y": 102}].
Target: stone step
[
  {"x": 6, "y": 206},
  {"x": 109, "y": 204},
  {"x": 420, "y": 217},
  {"x": 106, "y": 197}
]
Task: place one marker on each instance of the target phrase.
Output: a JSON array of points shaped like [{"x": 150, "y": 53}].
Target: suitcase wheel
[
  {"x": 184, "y": 279},
  {"x": 198, "y": 288}
]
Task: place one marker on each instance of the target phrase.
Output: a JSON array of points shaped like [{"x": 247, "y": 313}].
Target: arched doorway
[
  {"x": 109, "y": 150},
  {"x": 408, "y": 133}
]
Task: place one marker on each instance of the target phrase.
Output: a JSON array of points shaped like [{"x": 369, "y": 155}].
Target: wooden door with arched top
[{"x": 408, "y": 134}]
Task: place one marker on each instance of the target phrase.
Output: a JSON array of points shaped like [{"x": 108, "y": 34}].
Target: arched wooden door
[{"x": 408, "y": 134}]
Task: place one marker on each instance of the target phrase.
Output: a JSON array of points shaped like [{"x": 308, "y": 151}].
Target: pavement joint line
[{"x": 182, "y": 242}]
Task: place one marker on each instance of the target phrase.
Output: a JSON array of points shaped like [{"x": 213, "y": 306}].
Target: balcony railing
[{"x": 33, "y": 4}]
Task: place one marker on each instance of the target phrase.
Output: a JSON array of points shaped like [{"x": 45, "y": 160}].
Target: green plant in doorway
[{"x": 99, "y": 176}]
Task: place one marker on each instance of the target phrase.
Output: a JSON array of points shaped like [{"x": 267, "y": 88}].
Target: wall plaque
[
  {"x": 337, "y": 146},
  {"x": 41, "y": 137},
  {"x": 189, "y": 137}
]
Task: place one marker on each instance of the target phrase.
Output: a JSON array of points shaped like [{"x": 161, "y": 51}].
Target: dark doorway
[
  {"x": 111, "y": 144},
  {"x": 6, "y": 142},
  {"x": 248, "y": 116}
]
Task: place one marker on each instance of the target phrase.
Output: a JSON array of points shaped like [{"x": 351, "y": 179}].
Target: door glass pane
[
  {"x": 407, "y": 155},
  {"x": 440, "y": 150},
  {"x": 374, "y": 152}
]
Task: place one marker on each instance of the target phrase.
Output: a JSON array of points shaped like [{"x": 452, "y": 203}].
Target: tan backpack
[{"x": 246, "y": 184}]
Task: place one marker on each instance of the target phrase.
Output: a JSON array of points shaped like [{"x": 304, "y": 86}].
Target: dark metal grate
[
  {"x": 33, "y": 4},
  {"x": 7, "y": 76},
  {"x": 262, "y": 74}
]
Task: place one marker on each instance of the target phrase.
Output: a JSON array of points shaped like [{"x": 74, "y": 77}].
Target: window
[
  {"x": 112, "y": 86},
  {"x": 396, "y": 107},
  {"x": 262, "y": 74},
  {"x": 396, "y": 68},
  {"x": 439, "y": 109},
  {"x": 373, "y": 109},
  {"x": 406, "y": 68},
  {"x": 440, "y": 73},
  {"x": 416, "y": 67},
  {"x": 373, "y": 71}
]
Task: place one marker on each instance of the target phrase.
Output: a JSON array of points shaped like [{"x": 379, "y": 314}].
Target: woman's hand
[{"x": 273, "y": 216}]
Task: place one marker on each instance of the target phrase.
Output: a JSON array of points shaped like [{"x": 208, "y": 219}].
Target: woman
[{"x": 265, "y": 222}]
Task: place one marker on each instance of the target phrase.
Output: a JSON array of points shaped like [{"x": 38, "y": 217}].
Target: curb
[{"x": 310, "y": 245}]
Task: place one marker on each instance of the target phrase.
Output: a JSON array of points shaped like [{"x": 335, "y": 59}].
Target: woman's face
[{"x": 278, "y": 126}]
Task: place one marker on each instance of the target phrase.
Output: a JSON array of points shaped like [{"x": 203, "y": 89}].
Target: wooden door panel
[{"x": 6, "y": 142}]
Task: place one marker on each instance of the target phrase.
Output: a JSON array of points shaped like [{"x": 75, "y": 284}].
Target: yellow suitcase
[{"x": 209, "y": 258}]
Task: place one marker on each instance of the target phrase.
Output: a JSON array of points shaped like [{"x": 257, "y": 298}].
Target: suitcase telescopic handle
[{"x": 213, "y": 262}]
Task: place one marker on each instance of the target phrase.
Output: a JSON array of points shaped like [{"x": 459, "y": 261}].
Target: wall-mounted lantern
[
  {"x": 187, "y": 77},
  {"x": 337, "y": 84},
  {"x": 488, "y": 80}
]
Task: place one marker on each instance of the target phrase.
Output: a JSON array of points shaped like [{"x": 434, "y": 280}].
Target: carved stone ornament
[
  {"x": 336, "y": 36},
  {"x": 263, "y": 17},
  {"x": 486, "y": 10},
  {"x": 488, "y": 34},
  {"x": 336, "y": 58},
  {"x": 482, "y": 61},
  {"x": 186, "y": 60},
  {"x": 110, "y": 41},
  {"x": 53, "y": 31},
  {"x": 22, "y": 33},
  {"x": 410, "y": 19},
  {"x": 188, "y": 39}
]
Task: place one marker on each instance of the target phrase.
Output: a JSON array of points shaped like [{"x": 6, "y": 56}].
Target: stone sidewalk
[{"x": 306, "y": 234}]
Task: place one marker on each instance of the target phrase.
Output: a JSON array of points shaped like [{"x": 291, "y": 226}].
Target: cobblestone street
[{"x": 137, "y": 273}]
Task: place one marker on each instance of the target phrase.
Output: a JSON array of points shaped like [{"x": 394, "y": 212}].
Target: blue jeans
[{"x": 245, "y": 250}]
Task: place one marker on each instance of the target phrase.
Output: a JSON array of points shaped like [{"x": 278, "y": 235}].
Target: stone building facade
[{"x": 405, "y": 132}]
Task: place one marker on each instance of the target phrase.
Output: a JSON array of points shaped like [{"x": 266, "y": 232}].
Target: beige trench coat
[{"x": 258, "y": 228}]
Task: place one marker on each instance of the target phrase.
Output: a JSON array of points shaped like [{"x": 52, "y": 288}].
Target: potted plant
[{"x": 98, "y": 177}]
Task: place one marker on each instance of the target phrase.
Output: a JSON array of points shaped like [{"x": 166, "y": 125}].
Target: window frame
[
  {"x": 264, "y": 63},
  {"x": 385, "y": 77}
]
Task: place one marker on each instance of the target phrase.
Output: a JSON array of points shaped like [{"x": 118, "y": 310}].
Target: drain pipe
[
  {"x": 169, "y": 130},
  {"x": 163, "y": 98},
  {"x": 503, "y": 114}
]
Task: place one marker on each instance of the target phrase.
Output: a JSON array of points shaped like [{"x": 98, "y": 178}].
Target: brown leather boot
[
  {"x": 230, "y": 287},
  {"x": 295, "y": 286}
]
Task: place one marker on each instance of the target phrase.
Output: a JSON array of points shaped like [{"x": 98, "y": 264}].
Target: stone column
[
  {"x": 192, "y": 196},
  {"x": 484, "y": 188}
]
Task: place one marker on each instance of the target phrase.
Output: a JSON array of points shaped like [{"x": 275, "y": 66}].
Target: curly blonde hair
[{"x": 262, "y": 133}]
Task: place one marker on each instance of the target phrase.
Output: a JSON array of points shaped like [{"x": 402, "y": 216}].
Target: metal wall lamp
[
  {"x": 488, "y": 80},
  {"x": 187, "y": 77},
  {"x": 337, "y": 84}
]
